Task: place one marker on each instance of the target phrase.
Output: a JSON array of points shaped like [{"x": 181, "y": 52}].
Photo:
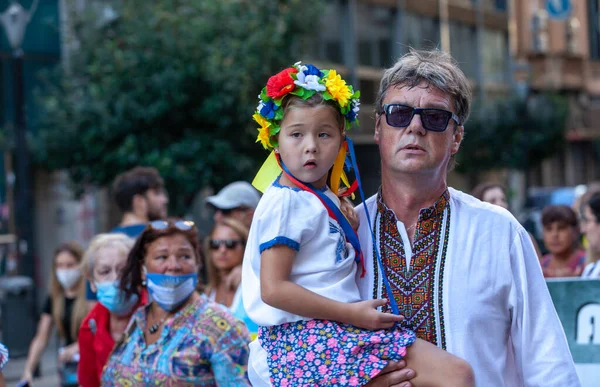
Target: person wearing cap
[{"x": 237, "y": 200}]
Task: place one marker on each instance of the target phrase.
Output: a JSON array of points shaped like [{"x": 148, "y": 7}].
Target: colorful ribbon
[{"x": 334, "y": 212}]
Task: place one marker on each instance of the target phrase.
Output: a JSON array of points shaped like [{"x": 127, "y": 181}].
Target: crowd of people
[
  {"x": 420, "y": 285},
  {"x": 571, "y": 235}
]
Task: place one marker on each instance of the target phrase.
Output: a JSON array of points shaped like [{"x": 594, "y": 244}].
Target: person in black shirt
[{"x": 65, "y": 308}]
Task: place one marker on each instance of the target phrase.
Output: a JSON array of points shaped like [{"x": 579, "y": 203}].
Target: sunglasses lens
[
  {"x": 399, "y": 115},
  {"x": 159, "y": 224},
  {"x": 184, "y": 225},
  {"x": 228, "y": 243},
  {"x": 435, "y": 120}
]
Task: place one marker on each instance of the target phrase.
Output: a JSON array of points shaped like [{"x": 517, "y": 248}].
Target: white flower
[
  {"x": 309, "y": 82},
  {"x": 355, "y": 106},
  {"x": 260, "y": 106}
]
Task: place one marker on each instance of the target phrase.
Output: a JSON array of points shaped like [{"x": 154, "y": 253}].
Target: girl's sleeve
[
  {"x": 229, "y": 360},
  {"x": 290, "y": 218}
]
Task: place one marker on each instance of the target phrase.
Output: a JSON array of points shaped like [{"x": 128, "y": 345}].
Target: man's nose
[{"x": 416, "y": 125}]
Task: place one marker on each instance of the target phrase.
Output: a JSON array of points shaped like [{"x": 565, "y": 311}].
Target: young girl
[{"x": 299, "y": 270}]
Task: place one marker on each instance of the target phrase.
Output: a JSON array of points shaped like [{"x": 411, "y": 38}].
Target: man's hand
[
  {"x": 393, "y": 375},
  {"x": 364, "y": 314},
  {"x": 348, "y": 210}
]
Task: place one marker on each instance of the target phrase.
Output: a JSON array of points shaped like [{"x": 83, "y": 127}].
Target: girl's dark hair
[
  {"x": 561, "y": 214},
  {"x": 131, "y": 277},
  {"x": 594, "y": 204},
  {"x": 480, "y": 189}
]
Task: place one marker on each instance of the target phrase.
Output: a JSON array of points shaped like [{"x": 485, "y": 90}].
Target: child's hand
[
  {"x": 348, "y": 210},
  {"x": 364, "y": 314}
]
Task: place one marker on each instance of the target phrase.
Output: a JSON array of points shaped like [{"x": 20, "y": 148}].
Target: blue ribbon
[{"x": 392, "y": 300}]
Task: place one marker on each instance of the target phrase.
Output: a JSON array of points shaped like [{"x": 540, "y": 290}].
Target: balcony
[{"x": 557, "y": 72}]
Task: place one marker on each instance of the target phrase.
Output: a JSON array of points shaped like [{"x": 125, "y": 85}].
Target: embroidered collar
[{"x": 435, "y": 210}]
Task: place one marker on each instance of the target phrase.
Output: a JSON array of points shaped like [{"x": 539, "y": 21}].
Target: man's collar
[{"x": 435, "y": 210}]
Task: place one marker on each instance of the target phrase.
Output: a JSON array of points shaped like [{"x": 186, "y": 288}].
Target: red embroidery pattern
[{"x": 413, "y": 287}]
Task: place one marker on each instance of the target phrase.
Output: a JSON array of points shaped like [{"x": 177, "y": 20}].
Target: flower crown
[{"x": 303, "y": 81}]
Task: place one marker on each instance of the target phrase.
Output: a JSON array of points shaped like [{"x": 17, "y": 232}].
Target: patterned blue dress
[{"x": 202, "y": 345}]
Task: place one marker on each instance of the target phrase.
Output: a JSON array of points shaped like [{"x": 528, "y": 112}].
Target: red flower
[{"x": 280, "y": 84}]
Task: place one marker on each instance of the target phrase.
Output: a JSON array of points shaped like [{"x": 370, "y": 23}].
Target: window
[
  {"x": 494, "y": 53},
  {"x": 463, "y": 45},
  {"x": 420, "y": 31},
  {"x": 374, "y": 27},
  {"x": 326, "y": 45}
]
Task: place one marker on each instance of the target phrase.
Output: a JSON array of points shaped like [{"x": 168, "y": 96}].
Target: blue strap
[{"x": 392, "y": 300}]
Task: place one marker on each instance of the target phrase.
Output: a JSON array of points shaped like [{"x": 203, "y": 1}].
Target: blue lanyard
[{"x": 392, "y": 300}]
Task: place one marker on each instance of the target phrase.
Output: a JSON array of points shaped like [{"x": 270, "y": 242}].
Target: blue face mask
[
  {"x": 113, "y": 298},
  {"x": 170, "y": 291}
]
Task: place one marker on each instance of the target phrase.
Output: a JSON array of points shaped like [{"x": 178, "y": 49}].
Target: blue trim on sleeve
[{"x": 280, "y": 240}]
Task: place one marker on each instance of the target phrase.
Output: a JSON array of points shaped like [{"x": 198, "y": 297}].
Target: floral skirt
[{"x": 321, "y": 352}]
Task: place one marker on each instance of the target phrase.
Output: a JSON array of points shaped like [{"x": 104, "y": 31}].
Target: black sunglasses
[
  {"x": 183, "y": 225},
  {"x": 228, "y": 243},
  {"x": 434, "y": 120}
]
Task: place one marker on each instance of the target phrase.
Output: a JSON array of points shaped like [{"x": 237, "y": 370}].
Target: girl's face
[
  {"x": 496, "y": 196},
  {"x": 309, "y": 141},
  {"x": 108, "y": 264},
  {"x": 227, "y": 248}
]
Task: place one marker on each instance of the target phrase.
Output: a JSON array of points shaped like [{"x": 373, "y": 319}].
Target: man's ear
[
  {"x": 139, "y": 204},
  {"x": 377, "y": 128},
  {"x": 457, "y": 138}
]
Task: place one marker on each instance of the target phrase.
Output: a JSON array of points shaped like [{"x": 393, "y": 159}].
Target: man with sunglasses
[
  {"x": 237, "y": 200},
  {"x": 464, "y": 273}
]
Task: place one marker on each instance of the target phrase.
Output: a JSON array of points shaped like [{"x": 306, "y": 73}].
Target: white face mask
[{"x": 68, "y": 277}]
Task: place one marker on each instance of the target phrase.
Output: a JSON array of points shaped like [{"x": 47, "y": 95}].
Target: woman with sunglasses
[
  {"x": 224, "y": 249},
  {"x": 180, "y": 337}
]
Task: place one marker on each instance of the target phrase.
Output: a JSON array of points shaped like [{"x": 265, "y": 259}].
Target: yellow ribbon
[
  {"x": 270, "y": 169},
  {"x": 267, "y": 173}
]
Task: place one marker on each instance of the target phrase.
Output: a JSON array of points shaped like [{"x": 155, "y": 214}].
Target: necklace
[{"x": 154, "y": 327}]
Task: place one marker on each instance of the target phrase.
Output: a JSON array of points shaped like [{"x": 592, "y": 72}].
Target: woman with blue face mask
[
  {"x": 180, "y": 337},
  {"x": 103, "y": 263}
]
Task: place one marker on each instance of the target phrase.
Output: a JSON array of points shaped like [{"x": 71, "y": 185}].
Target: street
[{"x": 49, "y": 378}]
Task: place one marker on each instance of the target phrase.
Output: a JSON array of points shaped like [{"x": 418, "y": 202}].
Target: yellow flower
[
  {"x": 263, "y": 132},
  {"x": 337, "y": 87}
]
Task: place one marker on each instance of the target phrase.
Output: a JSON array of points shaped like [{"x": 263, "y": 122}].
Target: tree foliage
[
  {"x": 513, "y": 133},
  {"x": 170, "y": 84}
]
